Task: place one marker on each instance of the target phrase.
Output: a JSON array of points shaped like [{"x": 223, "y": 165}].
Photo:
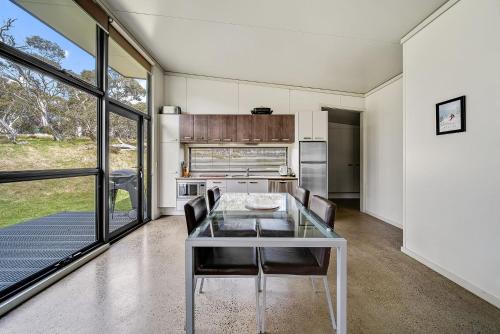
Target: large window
[
  {"x": 44, "y": 124},
  {"x": 127, "y": 78},
  {"x": 73, "y": 166},
  {"x": 57, "y": 32}
]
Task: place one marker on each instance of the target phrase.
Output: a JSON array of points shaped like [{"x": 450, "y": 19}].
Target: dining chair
[
  {"x": 283, "y": 227},
  {"x": 301, "y": 195},
  {"x": 213, "y": 195},
  {"x": 221, "y": 262},
  {"x": 312, "y": 262}
]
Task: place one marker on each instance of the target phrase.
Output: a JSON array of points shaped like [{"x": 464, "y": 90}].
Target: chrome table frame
[{"x": 340, "y": 244}]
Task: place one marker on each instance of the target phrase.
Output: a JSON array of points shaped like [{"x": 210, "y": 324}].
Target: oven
[{"x": 190, "y": 189}]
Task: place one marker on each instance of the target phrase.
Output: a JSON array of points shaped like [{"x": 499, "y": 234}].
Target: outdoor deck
[{"x": 28, "y": 247}]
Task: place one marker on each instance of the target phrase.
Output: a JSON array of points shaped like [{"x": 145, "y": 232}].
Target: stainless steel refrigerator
[{"x": 313, "y": 159}]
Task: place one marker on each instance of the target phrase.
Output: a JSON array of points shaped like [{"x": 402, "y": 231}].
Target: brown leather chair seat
[
  {"x": 275, "y": 227},
  {"x": 289, "y": 261},
  {"x": 226, "y": 261},
  {"x": 223, "y": 260}
]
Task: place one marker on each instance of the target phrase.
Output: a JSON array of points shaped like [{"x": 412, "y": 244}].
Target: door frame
[{"x": 124, "y": 111}]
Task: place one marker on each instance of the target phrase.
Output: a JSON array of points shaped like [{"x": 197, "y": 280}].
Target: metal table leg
[
  {"x": 189, "y": 288},
  {"x": 342, "y": 289}
]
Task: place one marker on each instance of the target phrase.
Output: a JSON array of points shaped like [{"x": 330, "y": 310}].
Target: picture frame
[{"x": 450, "y": 116}]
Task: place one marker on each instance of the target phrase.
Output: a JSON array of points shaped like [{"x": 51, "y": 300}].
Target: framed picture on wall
[{"x": 450, "y": 116}]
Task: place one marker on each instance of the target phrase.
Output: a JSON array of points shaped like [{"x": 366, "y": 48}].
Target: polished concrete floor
[{"x": 137, "y": 286}]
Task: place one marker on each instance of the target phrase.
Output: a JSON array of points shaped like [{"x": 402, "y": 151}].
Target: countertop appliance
[
  {"x": 313, "y": 158},
  {"x": 283, "y": 171},
  {"x": 188, "y": 189}
]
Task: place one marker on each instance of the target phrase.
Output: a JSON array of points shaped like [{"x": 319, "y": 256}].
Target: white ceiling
[{"x": 346, "y": 45}]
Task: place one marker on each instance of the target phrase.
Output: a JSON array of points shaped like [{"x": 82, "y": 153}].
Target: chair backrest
[
  {"x": 301, "y": 195},
  {"x": 325, "y": 210},
  {"x": 213, "y": 195},
  {"x": 195, "y": 211}
]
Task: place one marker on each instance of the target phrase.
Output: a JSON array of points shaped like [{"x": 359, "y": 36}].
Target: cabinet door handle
[
  {"x": 188, "y": 137},
  {"x": 282, "y": 182},
  {"x": 307, "y": 138},
  {"x": 227, "y": 139},
  {"x": 256, "y": 139},
  {"x": 241, "y": 182},
  {"x": 253, "y": 182},
  {"x": 246, "y": 139},
  {"x": 216, "y": 182},
  {"x": 275, "y": 139},
  {"x": 318, "y": 138},
  {"x": 285, "y": 139}
]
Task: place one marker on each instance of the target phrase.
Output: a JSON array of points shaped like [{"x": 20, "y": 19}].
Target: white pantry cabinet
[
  {"x": 169, "y": 169},
  {"x": 313, "y": 125},
  {"x": 168, "y": 128},
  {"x": 170, "y": 155}
]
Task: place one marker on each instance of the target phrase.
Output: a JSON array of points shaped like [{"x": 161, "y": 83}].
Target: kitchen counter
[{"x": 251, "y": 177}]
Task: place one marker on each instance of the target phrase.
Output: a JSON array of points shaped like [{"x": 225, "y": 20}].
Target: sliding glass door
[{"x": 126, "y": 171}]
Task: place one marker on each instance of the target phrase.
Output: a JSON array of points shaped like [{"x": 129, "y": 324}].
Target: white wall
[
  {"x": 452, "y": 190},
  {"x": 383, "y": 147}
]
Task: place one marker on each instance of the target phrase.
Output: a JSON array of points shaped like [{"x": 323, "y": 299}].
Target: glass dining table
[{"x": 238, "y": 210}]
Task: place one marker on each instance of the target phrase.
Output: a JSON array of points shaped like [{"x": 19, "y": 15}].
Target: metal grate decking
[{"x": 28, "y": 247}]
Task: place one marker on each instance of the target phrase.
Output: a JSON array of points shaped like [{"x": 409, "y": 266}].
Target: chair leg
[
  {"x": 312, "y": 283},
  {"x": 263, "y": 317},
  {"x": 201, "y": 285},
  {"x": 329, "y": 300},
  {"x": 257, "y": 302}
]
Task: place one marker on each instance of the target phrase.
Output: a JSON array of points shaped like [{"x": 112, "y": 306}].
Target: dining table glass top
[{"x": 261, "y": 215}]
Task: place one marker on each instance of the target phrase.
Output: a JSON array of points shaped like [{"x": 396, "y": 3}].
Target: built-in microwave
[{"x": 190, "y": 189}]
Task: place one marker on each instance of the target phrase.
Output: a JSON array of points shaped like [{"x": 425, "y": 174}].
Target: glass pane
[
  {"x": 257, "y": 159},
  {"x": 42, "y": 29},
  {"x": 145, "y": 201},
  {"x": 42, "y": 222},
  {"x": 127, "y": 79},
  {"x": 123, "y": 187},
  {"x": 44, "y": 124}
]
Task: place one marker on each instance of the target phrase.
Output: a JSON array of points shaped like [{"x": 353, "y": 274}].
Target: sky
[{"x": 26, "y": 25}]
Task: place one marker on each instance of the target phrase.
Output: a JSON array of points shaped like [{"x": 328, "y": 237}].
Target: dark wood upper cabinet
[
  {"x": 259, "y": 128},
  {"x": 229, "y": 128},
  {"x": 287, "y": 128},
  {"x": 215, "y": 128},
  {"x": 186, "y": 130},
  {"x": 200, "y": 128},
  {"x": 274, "y": 124},
  {"x": 244, "y": 128},
  {"x": 237, "y": 128}
]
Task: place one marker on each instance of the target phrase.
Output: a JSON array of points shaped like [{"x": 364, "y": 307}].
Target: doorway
[
  {"x": 126, "y": 192},
  {"x": 344, "y": 147}
]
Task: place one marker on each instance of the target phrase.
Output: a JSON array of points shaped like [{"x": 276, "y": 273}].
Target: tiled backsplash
[{"x": 237, "y": 159}]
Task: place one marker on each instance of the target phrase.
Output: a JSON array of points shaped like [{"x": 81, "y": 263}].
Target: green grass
[{"x": 22, "y": 201}]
